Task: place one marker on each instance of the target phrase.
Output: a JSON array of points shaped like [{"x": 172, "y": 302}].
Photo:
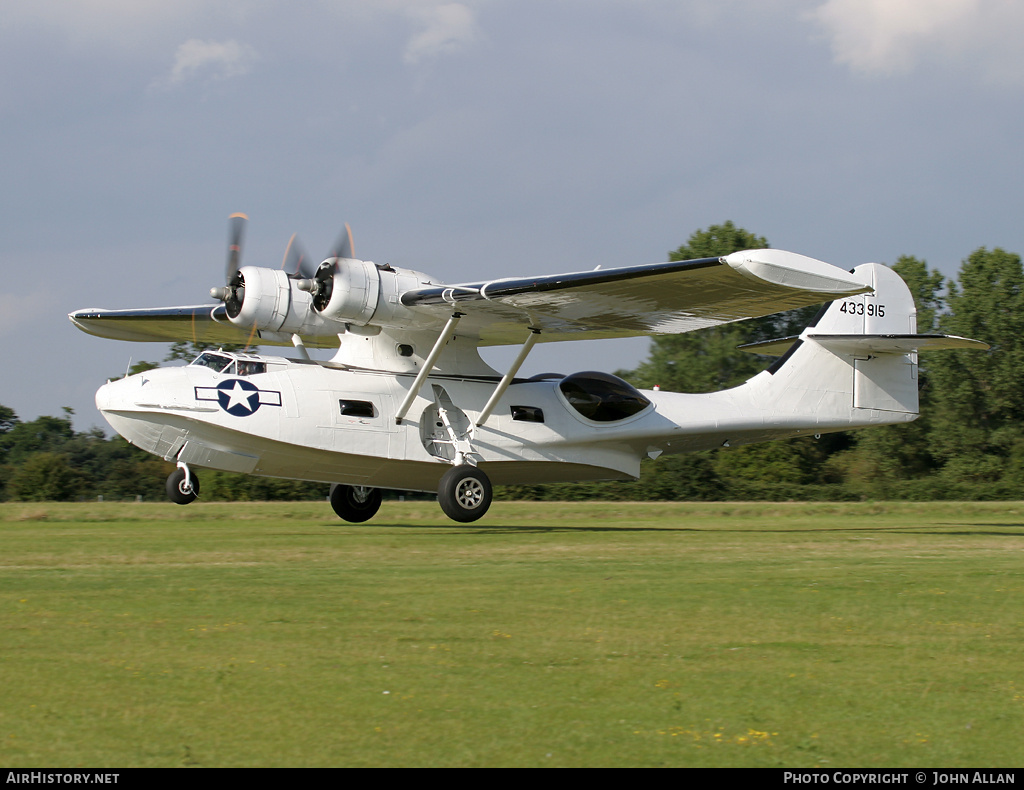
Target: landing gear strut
[
  {"x": 464, "y": 493},
  {"x": 355, "y": 503},
  {"x": 182, "y": 486}
]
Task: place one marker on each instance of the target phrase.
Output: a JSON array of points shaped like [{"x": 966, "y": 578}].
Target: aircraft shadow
[{"x": 962, "y": 530}]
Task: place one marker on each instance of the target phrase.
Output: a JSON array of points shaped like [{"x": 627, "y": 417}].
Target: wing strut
[
  {"x": 507, "y": 378},
  {"x": 428, "y": 365},
  {"x": 300, "y": 346}
]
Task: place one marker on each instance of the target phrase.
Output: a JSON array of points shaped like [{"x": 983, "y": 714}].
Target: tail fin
[
  {"x": 854, "y": 328},
  {"x": 856, "y": 364}
]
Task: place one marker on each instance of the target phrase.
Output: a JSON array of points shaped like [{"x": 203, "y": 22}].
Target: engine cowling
[
  {"x": 271, "y": 301},
  {"x": 361, "y": 293},
  {"x": 346, "y": 290}
]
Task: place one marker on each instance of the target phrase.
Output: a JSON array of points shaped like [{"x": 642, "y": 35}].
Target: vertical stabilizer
[
  {"x": 845, "y": 370},
  {"x": 882, "y": 380}
]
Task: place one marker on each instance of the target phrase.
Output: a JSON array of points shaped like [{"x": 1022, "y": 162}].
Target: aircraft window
[
  {"x": 602, "y": 397},
  {"x": 356, "y": 408},
  {"x": 247, "y": 368},
  {"x": 527, "y": 414},
  {"x": 216, "y": 362}
]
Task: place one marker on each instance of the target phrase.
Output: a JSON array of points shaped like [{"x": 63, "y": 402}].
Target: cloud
[
  {"x": 447, "y": 28},
  {"x": 884, "y": 37},
  {"x": 210, "y": 60}
]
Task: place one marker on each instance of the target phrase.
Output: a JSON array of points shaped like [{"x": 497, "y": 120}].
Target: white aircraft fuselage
[{"x": 324, "y": 422}]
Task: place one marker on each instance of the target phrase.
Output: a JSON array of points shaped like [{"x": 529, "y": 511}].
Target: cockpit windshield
[
  {"x": 230, "y": 366},
  {"x": 217, "y": 362}
]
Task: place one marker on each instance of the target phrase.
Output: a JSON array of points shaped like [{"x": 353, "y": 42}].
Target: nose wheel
[
  {"x": 464, "y": 493},
  {"x": 182, "y": 486}
]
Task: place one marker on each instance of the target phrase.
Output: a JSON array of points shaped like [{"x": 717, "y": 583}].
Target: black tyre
[
  {"x": 464, "y": 493},
  {"x": 180, "y": 493},
  {"x": 355, "y": 503}
]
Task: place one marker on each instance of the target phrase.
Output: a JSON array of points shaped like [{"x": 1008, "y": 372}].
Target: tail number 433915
[{"x": 859, "y": 308}]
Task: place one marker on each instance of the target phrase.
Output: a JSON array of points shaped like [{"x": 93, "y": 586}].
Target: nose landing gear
[{"x": 182, "y": 486}]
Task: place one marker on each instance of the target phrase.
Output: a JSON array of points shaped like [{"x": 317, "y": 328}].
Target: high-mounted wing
[
  {"x": 654, "y": 299},
  {"x": 661, "y": 298}
]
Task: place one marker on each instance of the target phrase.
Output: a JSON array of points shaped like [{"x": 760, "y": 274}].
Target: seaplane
[{"x": 406, "y": 403}]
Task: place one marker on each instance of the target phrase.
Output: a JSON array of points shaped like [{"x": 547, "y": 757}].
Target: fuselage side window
[
  {"x": 527, "y": 413},
  {"x": 357, "y": 408}
]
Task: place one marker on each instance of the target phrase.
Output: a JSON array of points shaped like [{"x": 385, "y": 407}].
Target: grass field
[{"x": 598, "y": 634}]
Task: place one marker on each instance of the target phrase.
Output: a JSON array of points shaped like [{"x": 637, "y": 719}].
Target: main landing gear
[
  {"x": 182, "y": 486},
  {"x": 464, "y": 493}
]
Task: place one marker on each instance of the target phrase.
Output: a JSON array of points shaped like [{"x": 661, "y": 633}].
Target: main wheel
[
  {"x": 178, "y": 491},
  {"x": 464, "y": 493},
  {"x": 355, "y": 503}
]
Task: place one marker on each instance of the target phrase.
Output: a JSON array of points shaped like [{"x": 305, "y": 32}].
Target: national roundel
[{"x": 238, "y": 398}]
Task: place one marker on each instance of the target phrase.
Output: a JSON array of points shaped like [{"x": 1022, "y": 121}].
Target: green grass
[{"x": 596, "y": 634}]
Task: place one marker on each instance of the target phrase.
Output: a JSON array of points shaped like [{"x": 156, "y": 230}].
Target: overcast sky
[{"x": 476, "y": 139}]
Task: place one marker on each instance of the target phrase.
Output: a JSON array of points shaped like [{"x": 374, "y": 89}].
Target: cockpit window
[
  {"x": 217, "y": 362},
  {"x": 602, "y": 397},
  {"x": 229, "y": 366},
  {"x": 249, "y": 368}
]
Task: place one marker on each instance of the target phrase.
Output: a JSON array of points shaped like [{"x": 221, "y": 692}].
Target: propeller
[
  {"x": 232, "y": 293},
  {"x": 343, "y": 245},
  {"x": 296, "y": 262},
  {"x": 236, "y": 232},
  {"x": 319, "y": 283}
]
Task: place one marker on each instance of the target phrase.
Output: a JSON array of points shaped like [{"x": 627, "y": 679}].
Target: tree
[
  {"x": 978, "y": 400},
  {"x": 8, "y": 419},
  {"x": 45, "y": 477}
]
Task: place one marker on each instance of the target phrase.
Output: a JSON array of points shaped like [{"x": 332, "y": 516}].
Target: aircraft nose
[
  {"x": 105, "y": 396},
  {"x": 112, "y": 395}
]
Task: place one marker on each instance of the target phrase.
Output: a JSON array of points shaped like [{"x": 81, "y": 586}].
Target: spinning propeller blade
[
  {"x": 343, "y": 246},
  {"x": 232, "y": 293},
  {"x": 236, "y": 231},
  {"x": 297, "y": 262}
]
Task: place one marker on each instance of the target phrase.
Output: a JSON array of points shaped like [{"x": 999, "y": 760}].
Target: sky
[{"x": 479, "y": 139}]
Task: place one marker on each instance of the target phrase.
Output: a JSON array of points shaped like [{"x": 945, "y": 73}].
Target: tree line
[{"x": 967, "y": 444}]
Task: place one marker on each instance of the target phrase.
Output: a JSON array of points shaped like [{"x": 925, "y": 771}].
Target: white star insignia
[{"x": 238, "y": 397}]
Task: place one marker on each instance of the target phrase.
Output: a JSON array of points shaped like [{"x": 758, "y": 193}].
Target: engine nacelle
[
  {"x": 346, "y": 290},
  {"x": 362, "y": 293},
  {"x": 269, "y": 300}
]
